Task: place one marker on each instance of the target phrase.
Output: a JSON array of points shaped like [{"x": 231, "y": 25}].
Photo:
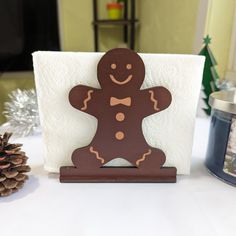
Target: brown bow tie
[{"x": 116, "y": 101}]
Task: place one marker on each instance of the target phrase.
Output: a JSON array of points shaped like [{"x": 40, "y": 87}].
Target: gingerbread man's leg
[
  {"x": 151, "y": 159},
  {"x": 87, "y": 158}
]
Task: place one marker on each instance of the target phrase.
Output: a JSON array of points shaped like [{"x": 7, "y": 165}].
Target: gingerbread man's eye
[
  {"x": 128, "y": 66},
  {"x": 113, "y": 66}
]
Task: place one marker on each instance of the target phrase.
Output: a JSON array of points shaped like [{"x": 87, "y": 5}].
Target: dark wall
[{"x": 26, "y": 26}]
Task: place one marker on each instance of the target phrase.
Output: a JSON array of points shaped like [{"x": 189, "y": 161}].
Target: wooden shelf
[
  {"x": 114, "y": 22},
  {"x": 128, "y": 23}
]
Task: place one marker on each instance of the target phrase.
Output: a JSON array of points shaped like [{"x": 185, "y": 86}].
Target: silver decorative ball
[{"x": 21, "y": 113}]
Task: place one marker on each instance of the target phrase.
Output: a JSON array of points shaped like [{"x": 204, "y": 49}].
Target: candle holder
[{"x": 221, "y": 153}]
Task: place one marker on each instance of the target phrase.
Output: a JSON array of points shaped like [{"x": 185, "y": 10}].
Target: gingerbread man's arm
[
  {"x": 156, "y": 99},
  {"x": 85, "y": 98}
]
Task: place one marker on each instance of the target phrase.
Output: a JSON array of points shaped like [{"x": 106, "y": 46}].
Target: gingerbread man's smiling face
[{"x": 121, "y": 68}]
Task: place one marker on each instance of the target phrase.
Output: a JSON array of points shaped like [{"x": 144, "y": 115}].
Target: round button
[
  {"x": 120, "y": 116},
  {"x": 120, "y": 135}
]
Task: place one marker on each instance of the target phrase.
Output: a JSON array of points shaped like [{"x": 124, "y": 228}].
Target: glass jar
[{"x": 221, "y": 152}]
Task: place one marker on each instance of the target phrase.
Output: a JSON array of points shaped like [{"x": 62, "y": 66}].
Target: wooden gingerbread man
[{"x": 119, "y": 107}]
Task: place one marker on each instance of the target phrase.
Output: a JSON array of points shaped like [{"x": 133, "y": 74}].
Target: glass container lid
[{"x": 223, "y": 101}]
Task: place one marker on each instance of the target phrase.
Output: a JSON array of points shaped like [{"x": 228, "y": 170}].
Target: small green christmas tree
[{"x": 210, "y": 75}]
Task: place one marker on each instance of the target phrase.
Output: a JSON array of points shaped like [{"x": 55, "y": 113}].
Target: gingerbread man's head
[{"x": 121, "y": 67}]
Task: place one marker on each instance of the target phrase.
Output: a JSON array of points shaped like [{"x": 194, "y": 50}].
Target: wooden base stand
[{"x": 70, "y": 174}]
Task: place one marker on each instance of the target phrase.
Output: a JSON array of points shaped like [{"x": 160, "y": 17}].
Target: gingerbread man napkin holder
[{"x": 119, "y": 107}]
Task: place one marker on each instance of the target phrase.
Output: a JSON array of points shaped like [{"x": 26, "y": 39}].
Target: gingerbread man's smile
[{"x": 114, "y": 80}]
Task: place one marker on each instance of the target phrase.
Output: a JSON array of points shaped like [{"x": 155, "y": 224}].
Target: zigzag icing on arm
[
  {"x": 154, "y": 100},
  {"x": 86, "y": 100}
]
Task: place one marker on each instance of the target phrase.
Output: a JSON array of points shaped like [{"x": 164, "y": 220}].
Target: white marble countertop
[{"x": 198, "y": 204}]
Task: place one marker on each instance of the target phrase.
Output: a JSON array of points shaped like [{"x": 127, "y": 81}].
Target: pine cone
[{"x": 12, "y": 166}]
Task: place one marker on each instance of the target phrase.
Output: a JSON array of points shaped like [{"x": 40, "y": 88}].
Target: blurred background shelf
[
  {"x": 128, "y": 22},
  {"x": 114, "y": 22}
]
